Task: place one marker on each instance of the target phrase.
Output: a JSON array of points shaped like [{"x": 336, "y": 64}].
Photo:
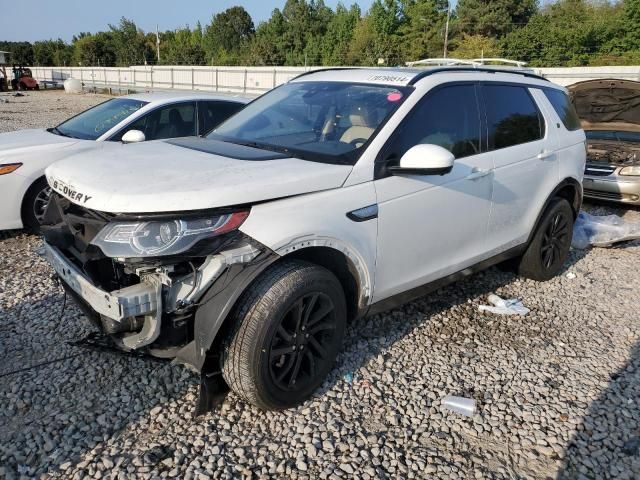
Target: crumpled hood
[
  {"x": 607, "y": 104},
  {"x": 25, "y": 141},
  {"x": 183, "y": 175}
]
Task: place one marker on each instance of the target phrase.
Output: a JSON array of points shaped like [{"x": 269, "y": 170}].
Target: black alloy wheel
[{"x": 301, "y": 341}]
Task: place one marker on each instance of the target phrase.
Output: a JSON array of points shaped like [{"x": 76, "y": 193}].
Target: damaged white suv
[{"x": 339, "y": 194}]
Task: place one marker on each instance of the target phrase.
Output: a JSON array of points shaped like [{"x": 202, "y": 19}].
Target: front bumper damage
[
  {"x": 170, "y": 307},
  {"x": 157, "y": 295}
]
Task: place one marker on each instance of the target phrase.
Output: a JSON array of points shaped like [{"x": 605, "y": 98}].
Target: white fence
[
  {"x": 250, "y": 80},
  {"x": 255, "y": 80}
]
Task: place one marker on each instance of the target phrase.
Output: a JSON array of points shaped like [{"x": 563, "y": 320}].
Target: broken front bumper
[{"x": 139, "y": 299}]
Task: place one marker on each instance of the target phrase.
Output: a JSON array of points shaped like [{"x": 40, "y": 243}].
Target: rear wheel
[
  {"x": 549, "y": 248},
  {"x": 34, "y": 205},
  {"x": 289, "y": 329}
]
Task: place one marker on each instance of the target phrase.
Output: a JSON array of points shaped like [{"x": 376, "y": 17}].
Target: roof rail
[
  {"x": 442, "y": 62},
  {"x": 327, "y": 69},
  {"x": 506, "y": 61},
  {"x": 454, "y": 69}
]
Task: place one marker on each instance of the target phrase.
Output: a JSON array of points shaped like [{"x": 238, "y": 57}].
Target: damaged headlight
[
  {"x": 630, "y": 171},
  {"x": 163, "y": 237}
]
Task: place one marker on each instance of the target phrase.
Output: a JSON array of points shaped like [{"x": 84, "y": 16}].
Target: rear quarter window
[
  {"x": 512, "y": 116},
  {"x": 564, "y": 108}
]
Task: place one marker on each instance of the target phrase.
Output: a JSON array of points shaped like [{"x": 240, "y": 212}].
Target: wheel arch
[
  {"x": 213, "y": 319},
  {"x": 571, "y": 190}
]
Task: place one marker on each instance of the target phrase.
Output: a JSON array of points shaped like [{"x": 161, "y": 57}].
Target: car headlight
[
  {"x": 157, "y": 238},
  {"x": 630, "y": 171},
  {"x": 6, "y": 168}
]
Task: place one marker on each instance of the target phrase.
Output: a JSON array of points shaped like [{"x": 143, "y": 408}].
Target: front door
[{"x": 431, "y": 226}]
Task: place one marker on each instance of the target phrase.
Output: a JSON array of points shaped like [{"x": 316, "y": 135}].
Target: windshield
[
  {"x": 320, "y": 121},
  {"x": 616, "y": 136},
  {"x": 95, "y": 122}
]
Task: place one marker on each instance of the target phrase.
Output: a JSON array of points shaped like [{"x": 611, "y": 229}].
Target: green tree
[
  {"x": 476, "y": 46},
  {"x": 95, "y": 49},
  {"x": 267, "y": 47},
  {"x": 339, "y": 34},
  {"x": 552, "y": 39},
  {"x": 423, "y": 28},
  {"x": 182, "y": 47},
  {"x": 494, "y": 18},
  {"x": 228, "y": 34},
  {"x": 130, "y": 44},
  {"x": 21, "y": 52}
]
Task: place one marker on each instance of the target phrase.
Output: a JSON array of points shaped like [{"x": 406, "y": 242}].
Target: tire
[
  {"x": 34, "y": 203},
  {"x": 271, "y": 359},
  {"x": 549, "y": 249},
  {"x": 37, "y": 87}
]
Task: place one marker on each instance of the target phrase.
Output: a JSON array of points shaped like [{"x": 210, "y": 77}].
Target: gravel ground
[{"x": 557, "y": 390}]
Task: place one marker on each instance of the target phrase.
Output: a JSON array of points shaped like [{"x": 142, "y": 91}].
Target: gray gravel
[{"x": 557, "y": 391}]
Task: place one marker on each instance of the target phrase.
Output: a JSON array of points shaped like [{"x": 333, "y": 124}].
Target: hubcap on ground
[
  {"x": 554, "y": 239},
  {"x": 40, "y": 204},
  {"x": 299, "y": 348}
]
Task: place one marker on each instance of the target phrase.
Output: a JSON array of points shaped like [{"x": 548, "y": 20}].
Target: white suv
[{"x": 339, "y": 194}]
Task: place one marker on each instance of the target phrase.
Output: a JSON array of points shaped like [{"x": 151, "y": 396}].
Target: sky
[{"x": 44, "y": 19}]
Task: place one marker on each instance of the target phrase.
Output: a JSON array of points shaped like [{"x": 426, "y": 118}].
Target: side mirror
[
  {"x": 133, "y": 136},
  {"x": 425, "y": 160}
]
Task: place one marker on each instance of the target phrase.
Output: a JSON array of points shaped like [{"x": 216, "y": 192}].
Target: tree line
[{"x": 307, "y": 32}]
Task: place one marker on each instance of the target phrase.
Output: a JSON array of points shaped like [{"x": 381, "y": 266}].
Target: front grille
[
  {"x": 603, "y": 195},
  {"x": 599, "y": 170}
]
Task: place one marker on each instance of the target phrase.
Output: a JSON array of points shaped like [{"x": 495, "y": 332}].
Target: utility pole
[
  {"x": 158, "y": 43},
  {"x": 446, "y": 30}
]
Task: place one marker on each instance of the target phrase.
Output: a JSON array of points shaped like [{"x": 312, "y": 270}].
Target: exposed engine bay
[{"x": 616, "y": 153}]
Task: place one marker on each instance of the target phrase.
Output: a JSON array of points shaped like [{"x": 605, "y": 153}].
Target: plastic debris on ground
[
  {"x": 348, "y": 377},
  {"x": 499, "y": 306},
  {"x": 571, "y": 275},
  {"x": 461, "y": 405},
  {"x": 602, "y": 231}
]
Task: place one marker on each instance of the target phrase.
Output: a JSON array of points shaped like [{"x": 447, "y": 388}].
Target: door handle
[
  {"x": 545, "y": 155},
  {"x": 477, "y": 173}
]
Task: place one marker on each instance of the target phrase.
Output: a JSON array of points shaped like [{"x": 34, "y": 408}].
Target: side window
[
  {"x": 512, "y": 116},
  {"x": 448, "y": 117},
  {"x": 564, "y": 108},
  {"x": 213, "y": 113},
  {"x": 170, "y": 121}
]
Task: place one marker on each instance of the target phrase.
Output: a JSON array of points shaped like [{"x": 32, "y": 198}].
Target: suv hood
[
  {"x": 607, "y": 104},
  {"x": 24, "y": 141},
  {"x": 186, "y": 174}
]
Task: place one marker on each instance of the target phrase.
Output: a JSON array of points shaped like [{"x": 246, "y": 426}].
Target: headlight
[
  {"x": 630, "y": 171},
  {"x": 6, "y": 168},
  {"x": 163, "y": 237}
]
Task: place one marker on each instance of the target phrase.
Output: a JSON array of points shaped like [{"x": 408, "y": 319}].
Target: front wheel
[
  {"x": 549, "y": 248},
  {"x": 288, "y": 331},
  {"x": 34, "y": 205}
]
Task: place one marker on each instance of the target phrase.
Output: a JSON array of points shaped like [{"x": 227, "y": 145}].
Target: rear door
[{"x": 523, "y": 148}]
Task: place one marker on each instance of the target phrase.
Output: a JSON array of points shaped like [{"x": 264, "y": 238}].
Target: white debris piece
[
  {"x": 461, "y": 405},
  {"x": 500, "y": 306},
  {"x": 602, "y": 231}
]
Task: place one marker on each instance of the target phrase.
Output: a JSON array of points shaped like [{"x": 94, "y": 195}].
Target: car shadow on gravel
[
  {"x": 59, "y": 402},
  {"x": 606, "y": 443},
  {"x": 370, "y": 337}
]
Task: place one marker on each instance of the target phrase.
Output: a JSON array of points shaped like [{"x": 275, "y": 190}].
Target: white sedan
[{"x": 24, "y": 154}]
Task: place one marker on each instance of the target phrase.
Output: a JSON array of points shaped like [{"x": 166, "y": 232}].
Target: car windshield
[
  {"x": 319, "y": 121},
  {"x": 617, "y": 136},
  {"x": 95, "y": 122}
]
